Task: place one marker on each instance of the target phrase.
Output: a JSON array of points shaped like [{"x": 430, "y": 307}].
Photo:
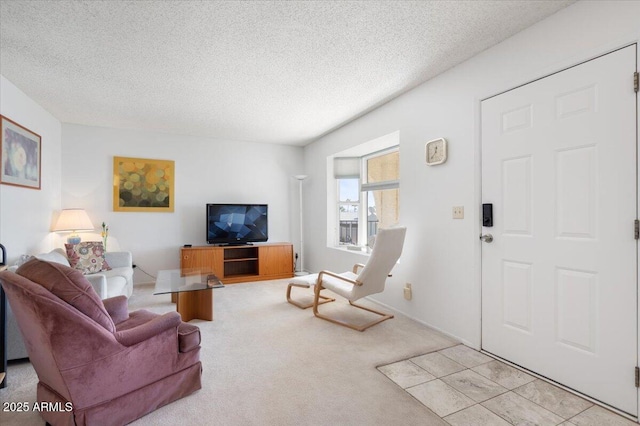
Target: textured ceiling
[{"x": 265, "y": 71}]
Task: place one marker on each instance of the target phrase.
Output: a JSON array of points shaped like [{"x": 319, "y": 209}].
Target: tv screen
[{"x": 236, "y": 223}]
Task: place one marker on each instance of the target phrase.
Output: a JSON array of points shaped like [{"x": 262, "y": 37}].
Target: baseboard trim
[{"x": 426, "y": 324}]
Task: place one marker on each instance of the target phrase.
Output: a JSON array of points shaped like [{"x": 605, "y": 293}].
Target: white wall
[
  {"x": 207, "y": 171},
  {"x": 441, "y": 257},
  {"x": 26, "y": 214}
]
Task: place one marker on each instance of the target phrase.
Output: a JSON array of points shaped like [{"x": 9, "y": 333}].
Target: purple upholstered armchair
[{"x": 100, "y": 363}]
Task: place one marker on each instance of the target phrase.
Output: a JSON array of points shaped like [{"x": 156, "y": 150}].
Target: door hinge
[
  {"x": 636, "y": 231},
  {"x": 638, "y": 377},
  {"x": 636, "y": 82}
]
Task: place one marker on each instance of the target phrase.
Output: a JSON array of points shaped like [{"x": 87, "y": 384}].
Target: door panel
[{"x": 559, "y": 282}]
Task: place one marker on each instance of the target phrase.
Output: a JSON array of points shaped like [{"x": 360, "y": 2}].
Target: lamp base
[
  {"x": 300, "y": 273},
  {"x": 74, "y": 239}
]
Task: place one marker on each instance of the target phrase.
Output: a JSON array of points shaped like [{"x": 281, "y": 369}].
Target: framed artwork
[
  {"x": 21, "y": 152},
  {"x": 143, "y": 185}
]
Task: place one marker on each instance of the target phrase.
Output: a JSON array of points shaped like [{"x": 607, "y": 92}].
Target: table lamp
[{"x": 73, "y": 220}]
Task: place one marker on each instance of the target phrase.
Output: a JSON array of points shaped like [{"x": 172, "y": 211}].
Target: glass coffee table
[{"x": 191, "y": 291}]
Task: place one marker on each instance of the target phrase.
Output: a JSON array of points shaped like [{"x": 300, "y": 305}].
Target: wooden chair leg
[
  {"x": 303, "y": 305},
  {"x": 383, "y": 316}
]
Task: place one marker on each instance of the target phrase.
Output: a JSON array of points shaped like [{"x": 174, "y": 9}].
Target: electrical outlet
[
  {"x": 407, "y": 291},
  {"x": 458, "y": 212}
]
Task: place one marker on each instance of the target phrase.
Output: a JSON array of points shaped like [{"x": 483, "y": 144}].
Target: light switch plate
[{"x": 458, "y": 212}]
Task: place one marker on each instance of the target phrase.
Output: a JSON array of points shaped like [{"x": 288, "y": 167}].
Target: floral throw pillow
[{"x": 87, "y": 257}]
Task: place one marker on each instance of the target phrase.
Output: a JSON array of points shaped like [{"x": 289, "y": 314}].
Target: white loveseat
[
  {"x": 115, "y": 282},
  {"x": 118, "y": 281}
]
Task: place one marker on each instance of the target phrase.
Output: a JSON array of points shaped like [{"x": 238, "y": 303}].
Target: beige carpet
[{"x": 267, "y": 362}]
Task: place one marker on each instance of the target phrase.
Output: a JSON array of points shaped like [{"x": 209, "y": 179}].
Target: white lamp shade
[{"x": 73, "y": 220}]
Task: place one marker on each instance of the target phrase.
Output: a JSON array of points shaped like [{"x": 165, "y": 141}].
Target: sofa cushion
[
  {"x": 87, "y": 257},
  {"x": 126, "y": 273},
  {"x": 69, "y": 285}
]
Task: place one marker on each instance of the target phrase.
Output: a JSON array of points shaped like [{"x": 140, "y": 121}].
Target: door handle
[{"x": 486, "y": 238}]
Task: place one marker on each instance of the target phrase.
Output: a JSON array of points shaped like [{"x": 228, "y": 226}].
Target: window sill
[{"x": 364, "y": 251}]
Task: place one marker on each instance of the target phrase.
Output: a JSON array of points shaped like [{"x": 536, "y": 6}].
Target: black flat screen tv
[{"x": 237, "y": 223}]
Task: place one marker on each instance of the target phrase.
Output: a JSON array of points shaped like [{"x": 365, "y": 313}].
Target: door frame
[{"x": 477, "y": 110}]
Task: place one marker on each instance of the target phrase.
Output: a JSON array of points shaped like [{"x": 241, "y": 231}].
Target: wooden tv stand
[{"x": 236, "y": 264}]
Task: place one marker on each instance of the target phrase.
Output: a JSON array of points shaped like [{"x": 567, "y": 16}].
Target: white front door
[{"x": 559, "y": 290}]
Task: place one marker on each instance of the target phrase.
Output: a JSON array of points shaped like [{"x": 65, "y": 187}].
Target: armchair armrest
[
  {"x": 99, "y": 283},
  {"x": 149, "y": 329},
  {"x": 340, "y": 277},
  {"x": 117, "y": 308},
  {"x": 357, "y": 266},
  {"x": 360, "y": 265}
]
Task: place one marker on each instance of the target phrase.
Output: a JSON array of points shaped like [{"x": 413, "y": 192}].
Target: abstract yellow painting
[{"x": 143, "y": 185}]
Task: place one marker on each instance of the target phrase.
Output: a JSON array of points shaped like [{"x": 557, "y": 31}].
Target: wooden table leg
[{"x": 195, "y": 305}]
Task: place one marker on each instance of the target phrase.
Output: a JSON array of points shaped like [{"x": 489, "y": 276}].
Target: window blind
[{"x": 346, "y": 167}]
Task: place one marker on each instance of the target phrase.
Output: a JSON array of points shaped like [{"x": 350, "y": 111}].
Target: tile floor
[{"x": 466, "y": 387}]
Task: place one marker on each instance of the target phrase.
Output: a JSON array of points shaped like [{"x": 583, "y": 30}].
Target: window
[
  {"x": 381, "y": 186},
  {"x": 348, "y": 210},
  {"x": 368, "y": 194}
]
